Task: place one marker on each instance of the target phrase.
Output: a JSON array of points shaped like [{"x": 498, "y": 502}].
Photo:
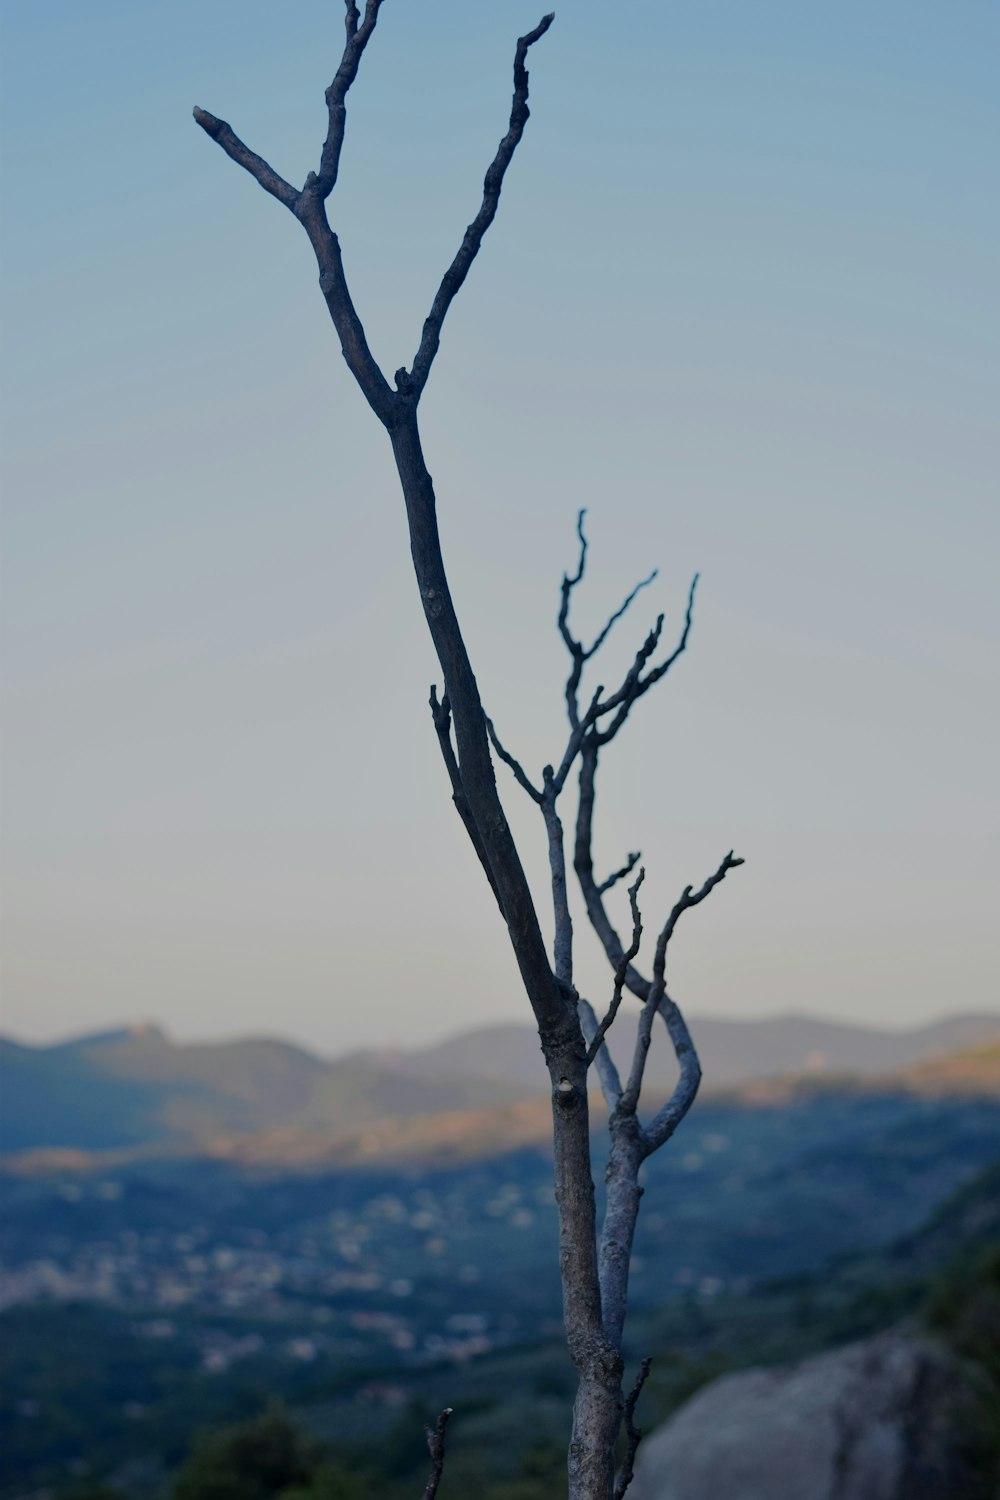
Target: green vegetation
[
  {"x": 963, "y": 1308},
  {"x": 273, "y": 1457},
  {"x": 115, "y": 1394},
  {"x": 91, "y": 1492},
  {"x": 268, "y": 1457}
]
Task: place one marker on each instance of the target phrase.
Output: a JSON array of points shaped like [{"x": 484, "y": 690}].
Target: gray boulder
[{"x": 872, "y": 1421}]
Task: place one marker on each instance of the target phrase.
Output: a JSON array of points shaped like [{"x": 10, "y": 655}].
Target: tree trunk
[
  {"x": 552, "y": 1010},
  {"x": 597, "y": 1411}
]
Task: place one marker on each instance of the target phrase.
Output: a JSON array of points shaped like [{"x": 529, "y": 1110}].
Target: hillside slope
[
  {"x": 134, "y": 1086},
  {"x": 265, "y": 1099}
]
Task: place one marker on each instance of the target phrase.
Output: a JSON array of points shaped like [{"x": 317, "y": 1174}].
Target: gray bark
[{"x": 594, "y": 1273}]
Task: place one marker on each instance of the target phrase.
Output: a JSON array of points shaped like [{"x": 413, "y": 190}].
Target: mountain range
[
  {"x": 732, "y": 1052},
  {"x": 135, "y": 1090}
]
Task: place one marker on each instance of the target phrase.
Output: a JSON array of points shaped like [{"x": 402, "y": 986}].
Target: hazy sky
[{"x": 740, "y": 302}]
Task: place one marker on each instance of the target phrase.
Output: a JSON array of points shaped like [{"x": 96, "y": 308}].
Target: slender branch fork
[{"x": 594, "y": 1272}]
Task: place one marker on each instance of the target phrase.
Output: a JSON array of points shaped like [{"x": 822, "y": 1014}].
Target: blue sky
[{"x": 740, "y": 301}]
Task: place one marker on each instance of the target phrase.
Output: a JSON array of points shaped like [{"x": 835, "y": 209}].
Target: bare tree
[{"x": 594, "y": 1266}]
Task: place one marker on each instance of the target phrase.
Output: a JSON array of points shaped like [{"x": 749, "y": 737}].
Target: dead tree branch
[
  {"x": 562, "y": 950},
  {"x": 621, "y": 971},
  {"x": 468, "y": 250},
  {"x": 435, "y": 1445},
  {"x": 582, "y": 654},
  {"x": 441, "y": 714},
  {"x": 262, "y": 172},
  {"x": 594, "y": 1277},
  {"x": 607, "y": 1073},
  {"x": 666, "y": 1120},
  {"x": 636, "y": 685},
  {"x": 690, "y": 897},
  {"x": 632, "y": 1432},
  {"x": 309, "y": 207},
  {"x": 358, "y": 37},
  {"x": 520, "y": 775},
  {"x": 617, "y": 875},
  {"x": 631, "y": 1143}
]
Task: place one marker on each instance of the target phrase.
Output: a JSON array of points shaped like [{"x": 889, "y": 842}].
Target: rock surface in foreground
[{"x": 872, "y": 1421}]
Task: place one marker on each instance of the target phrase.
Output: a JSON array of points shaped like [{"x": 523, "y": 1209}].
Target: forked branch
[
  {"x": 358, "y": 35},
  {"x": 308, "y": 204},
  {"x": 581, "y": 654},
  {"x": 309, "y": 207},
  {"x": 638, "y": 681},
  {"x": 469, "y": 766},
  {"x": 636, "y": 685},
  {"x": 594, "y": 1280}
]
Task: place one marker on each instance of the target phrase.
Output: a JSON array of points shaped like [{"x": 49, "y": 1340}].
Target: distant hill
[
  {"x": 731, "y": 1052},
  {"x": 136, "y": 1085},
  {"x": 258, "y": 1098},
  {"x": 972, "y": 1070},
  {"x": 57, "y": 1096}
]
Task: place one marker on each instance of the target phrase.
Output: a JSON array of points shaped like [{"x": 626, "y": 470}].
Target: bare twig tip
[{"x": 540, "y": 30}]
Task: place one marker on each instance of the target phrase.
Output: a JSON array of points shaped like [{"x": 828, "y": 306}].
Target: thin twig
[
  {"x": 635, "y": 685},
  {"x": 575, "y": 741},
  {"x": 357, "y": 40},
  {"x": 469, "y": 248},
  {"x": 435, "y": 1445},
  {"x": 603, "y": 634},
  {"x": 621, "y": 970},
  {"x": 441, "y": 713},
  {"x": 667, "y": 1119},
  {"x": 688, "y": 898},
  {"x": 270, "y": 180},
  {"x": 573, "y": 646},
  {"x": 320, "y": 182},
  {"x": 520, "y": 774},
  {"x": 617, "y": 875},
  {"x": 582, "y": 654},
  {"x": 607, "y": 1073},
  {"x": 309, "y": 207},
  {"x": 633, "y": 1433},
  {"x": 629, "y": 689},
  {"x": 643, "y": 1037}
]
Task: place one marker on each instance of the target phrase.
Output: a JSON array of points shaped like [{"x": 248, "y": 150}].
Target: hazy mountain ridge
[
  {"x": 731, "y": 1051},
  {"x": 127, "y": 1093},
  {"x": 127, "y": 1088}
]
